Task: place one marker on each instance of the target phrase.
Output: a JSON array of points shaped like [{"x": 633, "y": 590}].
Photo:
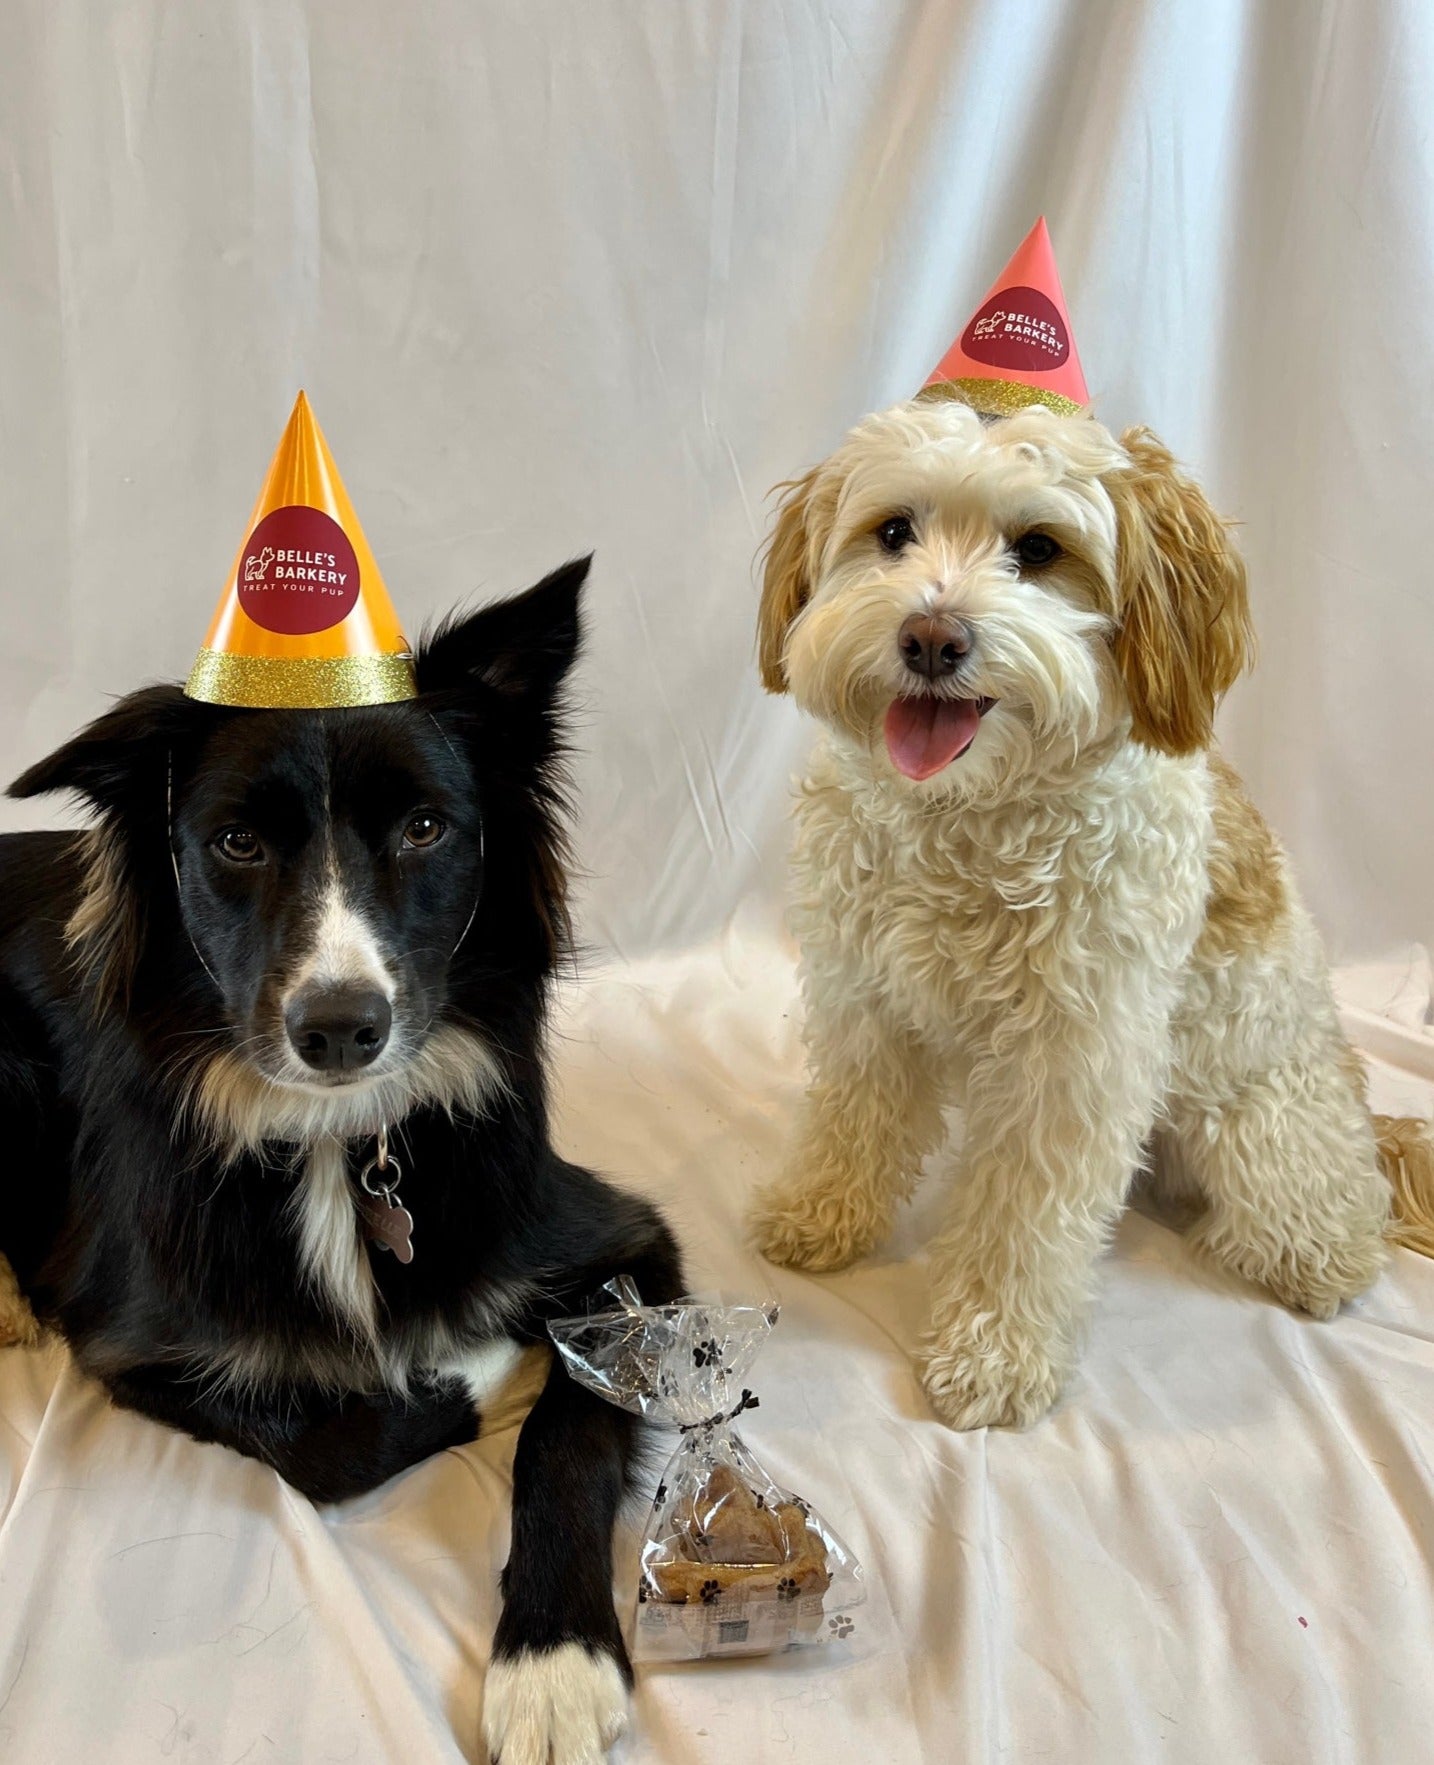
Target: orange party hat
[
  {"x": 1017, "y": 349},
  {"x": 305, "y": 620}
]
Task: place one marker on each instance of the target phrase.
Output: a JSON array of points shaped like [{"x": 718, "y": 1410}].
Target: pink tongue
[{"x": 923, "y": 735}]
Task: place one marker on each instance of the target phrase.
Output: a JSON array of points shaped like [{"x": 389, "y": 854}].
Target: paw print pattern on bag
[{"x": 731, "y": 1563}]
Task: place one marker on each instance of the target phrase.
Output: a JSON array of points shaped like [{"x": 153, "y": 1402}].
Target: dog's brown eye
[
  {"x": 1035, "y": 549},
  {"x": 895, "y": 532},
  {"x": 423, "y": 830},
  {"x": 239, "y": 846}
]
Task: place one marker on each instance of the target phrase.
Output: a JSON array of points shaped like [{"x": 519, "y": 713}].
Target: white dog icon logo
[
  {"x": 254, "y": 568},
  {"x": 989, "y": 326}
]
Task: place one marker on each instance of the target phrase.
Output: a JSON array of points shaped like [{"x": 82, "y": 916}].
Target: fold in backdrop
[{"x": 595, "y": 275}]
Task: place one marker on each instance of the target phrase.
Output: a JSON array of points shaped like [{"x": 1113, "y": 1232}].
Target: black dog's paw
[{"x": 559, "y": 1706}]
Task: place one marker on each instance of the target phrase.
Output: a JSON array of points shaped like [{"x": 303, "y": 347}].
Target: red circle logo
[
  {"x": 1018, "y": 328},
  {"x": 298, "y": 573}
]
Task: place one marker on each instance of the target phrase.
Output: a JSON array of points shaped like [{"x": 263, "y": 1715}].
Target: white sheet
[{"x": 1217, "y": 1548}]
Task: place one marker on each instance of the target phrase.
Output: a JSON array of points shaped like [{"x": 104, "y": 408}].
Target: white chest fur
[
  {"x": 953, "y": 916},
  {"x": 335, "y": 1261},
  {"x": 332, "y": 1254}
]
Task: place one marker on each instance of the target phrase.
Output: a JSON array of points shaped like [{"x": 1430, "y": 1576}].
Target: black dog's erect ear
[
  {"x": 106, "y": 759},
  {"x": 520, "y": 649}
]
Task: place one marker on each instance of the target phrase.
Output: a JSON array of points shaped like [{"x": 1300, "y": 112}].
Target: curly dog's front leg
[{"x": 1054, "y": 1129}]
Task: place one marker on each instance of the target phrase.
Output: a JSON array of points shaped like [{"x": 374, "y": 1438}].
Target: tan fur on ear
[
  {"x": 803, "y": 520},
  {"x": 104, "y": 931},
  {"x": 1185, "y": 634}
]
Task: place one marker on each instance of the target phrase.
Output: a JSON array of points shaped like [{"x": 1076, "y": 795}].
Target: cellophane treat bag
[{"x": 731, "y": 1563}]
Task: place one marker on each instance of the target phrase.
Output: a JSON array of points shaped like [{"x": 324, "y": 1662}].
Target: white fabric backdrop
[{"x": 571, "y": 273}]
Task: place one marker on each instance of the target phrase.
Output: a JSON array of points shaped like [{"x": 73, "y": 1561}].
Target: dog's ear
[
  {"x": 120, "y": 766},
  {"x": 493, "y": 677},
  {"x": 804, "y": 518},
  {"x": 124, "y": 751},
  {"x": 1185, "y": 634},
  {"x": 520, "y": 649}
]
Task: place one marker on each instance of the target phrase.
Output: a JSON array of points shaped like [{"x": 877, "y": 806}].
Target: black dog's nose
[
  {"x": 932, "y": 645},
  {"x": 338, "y": 1029}
]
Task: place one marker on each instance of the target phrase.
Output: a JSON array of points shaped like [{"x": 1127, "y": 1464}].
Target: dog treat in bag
[{"x": 731, "y": 1563}]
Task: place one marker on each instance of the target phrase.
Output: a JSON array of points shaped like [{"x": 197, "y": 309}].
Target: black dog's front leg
[
  {"x": 558, "y": 1682},
  {"x": 557, "y": 1687}
]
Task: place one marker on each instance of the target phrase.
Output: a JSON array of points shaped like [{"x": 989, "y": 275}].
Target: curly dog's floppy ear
[
  {"x": 804, "y": 519},
  {"x": 1185, "y": 635}
]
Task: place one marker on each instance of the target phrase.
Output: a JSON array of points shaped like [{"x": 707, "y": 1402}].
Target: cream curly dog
[{"x": 1024, "y": 880}]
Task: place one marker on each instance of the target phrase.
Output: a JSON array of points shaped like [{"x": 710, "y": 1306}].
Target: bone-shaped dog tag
[{"x": 388, "y": 1225}]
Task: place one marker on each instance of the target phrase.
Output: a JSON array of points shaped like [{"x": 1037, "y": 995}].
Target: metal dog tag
[
  {"x": 388, "y": 1225},
  {"x": 386, "y": 1222}
]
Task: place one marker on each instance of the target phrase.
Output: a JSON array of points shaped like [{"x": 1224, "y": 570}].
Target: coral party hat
[
  {"x": 1017, "y": 349},
  {"x": 305, "y": 620}
]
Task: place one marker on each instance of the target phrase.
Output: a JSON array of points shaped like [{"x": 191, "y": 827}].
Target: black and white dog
[{"x": 293, "y": 976}]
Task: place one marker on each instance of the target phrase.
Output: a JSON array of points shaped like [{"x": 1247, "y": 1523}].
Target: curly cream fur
[{"x": 1080, "y": 928}]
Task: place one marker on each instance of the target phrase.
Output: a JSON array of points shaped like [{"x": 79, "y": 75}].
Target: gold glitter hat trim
[
  {"x": 295, "y": 683},
  {"x": 999, "y": 398}
]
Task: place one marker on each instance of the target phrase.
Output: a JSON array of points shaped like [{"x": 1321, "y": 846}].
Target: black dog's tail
[
  {"x": 32, "y": 1190},
  {"x": 20, "y": 1109}
]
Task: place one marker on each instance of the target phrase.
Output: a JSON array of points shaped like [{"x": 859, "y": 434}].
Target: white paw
[
  {"x": 1315, "y": 1278},
  {"x": 819, "y": 1226},
  {"x": 977, "y": 1381},
  {"x": 563, "y": 1706}
]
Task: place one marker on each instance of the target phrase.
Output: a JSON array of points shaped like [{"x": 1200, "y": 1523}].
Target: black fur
[{"x": 154, "y": 1249}]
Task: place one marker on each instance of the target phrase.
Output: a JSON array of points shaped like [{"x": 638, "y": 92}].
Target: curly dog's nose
[{"x": 932, "y": 645}]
